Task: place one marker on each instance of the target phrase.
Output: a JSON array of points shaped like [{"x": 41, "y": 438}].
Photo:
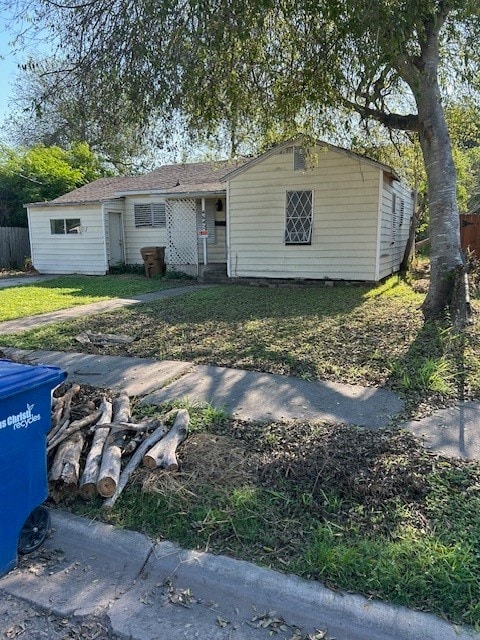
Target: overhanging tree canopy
[
  {"x": 42, "y": 173},
  {"x": 282, "y": 64}
]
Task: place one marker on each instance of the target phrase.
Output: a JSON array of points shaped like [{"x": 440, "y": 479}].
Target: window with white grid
[
  {"x": 298, "y": 218},
  {"x": 151, "y": 214}
]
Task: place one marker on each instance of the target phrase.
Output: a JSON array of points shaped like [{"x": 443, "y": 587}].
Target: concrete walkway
[
  {"x": 32, "y": 322},
  {"x": 20, "y": 281},
  {"x": 249, "y": 395}
]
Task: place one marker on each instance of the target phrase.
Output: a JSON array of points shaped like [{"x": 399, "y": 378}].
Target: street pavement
[{"x": 150, "y": 590}]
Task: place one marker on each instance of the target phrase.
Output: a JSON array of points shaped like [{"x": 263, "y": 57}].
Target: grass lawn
[
  {"x": 356, "y": 334},
  {"x": 360, "y": 510},
  {"x": 365, "y": 511},
  {"x": 70, "y": 291}
]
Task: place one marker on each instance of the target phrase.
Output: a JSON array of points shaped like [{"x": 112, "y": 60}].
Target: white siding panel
[
  {"x": 345, "y": 219},
  {"x": 62, "y": 254},
  {"x": 136, "y": 238},
  {"x": 392, "y": 246}
]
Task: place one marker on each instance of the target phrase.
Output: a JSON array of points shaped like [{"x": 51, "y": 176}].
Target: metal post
[{"x": 204, "y": 228}]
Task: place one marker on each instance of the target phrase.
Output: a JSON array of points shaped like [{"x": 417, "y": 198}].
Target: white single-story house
[{"x": 319, "y": 213}]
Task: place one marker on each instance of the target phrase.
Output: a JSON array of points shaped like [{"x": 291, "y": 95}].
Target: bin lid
[{"x": 16, "y": 377}]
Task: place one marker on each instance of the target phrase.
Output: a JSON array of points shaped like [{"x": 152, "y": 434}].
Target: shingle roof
[{"x": 201, "y": 177}]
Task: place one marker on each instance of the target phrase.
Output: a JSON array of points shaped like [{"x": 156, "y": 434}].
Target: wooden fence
[
  {"x": 14, "y": 247},
  {"x": 470, "y": 232}
]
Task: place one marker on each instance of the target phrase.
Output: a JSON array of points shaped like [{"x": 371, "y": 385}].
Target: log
[
  {"x": 112, "y": 452},
  {"x": 61, "y": 412},
  {"x": 66, "y": 468},
  {"x": 135, "y": 460},
  {"x": 88, "y": 481},
  {"x": 76, "y": 425},
  {"x": 55, "y": 433},
  {"x": 163, "y": 454},
  {"x": 127, "y": 426}
]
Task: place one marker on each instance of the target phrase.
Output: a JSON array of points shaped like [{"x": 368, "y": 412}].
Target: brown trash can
[{"x": 154, "y": 260}]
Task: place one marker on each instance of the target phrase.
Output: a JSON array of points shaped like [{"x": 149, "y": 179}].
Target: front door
[{"x": 116, "y": 255}]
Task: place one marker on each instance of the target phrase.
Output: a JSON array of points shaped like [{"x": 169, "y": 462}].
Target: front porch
[{"x": 196, "y": 234}]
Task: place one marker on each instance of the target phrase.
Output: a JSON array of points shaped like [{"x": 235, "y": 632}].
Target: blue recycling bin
[{"x": 25, "y": 415}]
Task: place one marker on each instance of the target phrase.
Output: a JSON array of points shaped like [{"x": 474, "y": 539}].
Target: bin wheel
[{"x": 34, "y": 531}]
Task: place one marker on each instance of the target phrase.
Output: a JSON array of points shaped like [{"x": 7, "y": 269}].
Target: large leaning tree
[{"x": 283, "y": 65}]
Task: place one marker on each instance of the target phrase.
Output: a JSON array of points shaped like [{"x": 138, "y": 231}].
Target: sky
[
  {"x": 10, "y": 57},
  {"x": 8, "y": 68}
]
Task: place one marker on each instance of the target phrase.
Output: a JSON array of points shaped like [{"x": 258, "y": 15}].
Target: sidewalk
[
  {"x": 248, "y": 395},
  {"x": 19, "y": 281}
]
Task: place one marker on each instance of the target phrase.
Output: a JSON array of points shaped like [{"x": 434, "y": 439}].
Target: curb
[{"x": 120, "y": 573}]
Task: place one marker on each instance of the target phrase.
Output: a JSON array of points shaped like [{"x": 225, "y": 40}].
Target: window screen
[
  {"x": 299, "y": 159},
  {"x": 151, "y": 214}
]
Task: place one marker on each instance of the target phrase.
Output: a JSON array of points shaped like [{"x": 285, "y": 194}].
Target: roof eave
[
  {"x": 70, "y": 203},
  {"x": 175, "y": 194}
]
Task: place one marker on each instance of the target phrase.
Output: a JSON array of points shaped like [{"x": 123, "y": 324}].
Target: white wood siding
[
  {"x": 345, "y": 219},
  {"x": 136, "y": 238},
  {"x": 393, "y": 241},
  {"x": 71, "y": 253}
]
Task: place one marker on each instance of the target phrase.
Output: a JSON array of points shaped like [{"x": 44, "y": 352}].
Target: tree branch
[{"x": 391, "y": 120}]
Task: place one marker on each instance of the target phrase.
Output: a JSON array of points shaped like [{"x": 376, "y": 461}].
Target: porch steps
[{"x": 213, "y": 274}]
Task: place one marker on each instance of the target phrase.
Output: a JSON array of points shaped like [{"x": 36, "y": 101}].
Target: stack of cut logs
[{"x": 106, "y": 435}]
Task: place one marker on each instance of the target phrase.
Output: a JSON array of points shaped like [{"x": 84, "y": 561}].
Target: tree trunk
[{"x": 445, "y": 252}]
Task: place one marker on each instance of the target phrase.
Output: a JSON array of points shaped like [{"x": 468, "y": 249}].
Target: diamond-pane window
[{"x": 298, "y": 221}]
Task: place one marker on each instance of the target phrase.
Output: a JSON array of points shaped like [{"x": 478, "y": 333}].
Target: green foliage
[
  {"x": 40, "y": 174},
  {"x": 51, "y": 111}
]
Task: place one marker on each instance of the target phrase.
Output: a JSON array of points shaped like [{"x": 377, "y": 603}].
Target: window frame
[
  {"x": 161, "y": 215},
  {"x": 66, "y": 224},
  {"x": 308, "y": 238}
]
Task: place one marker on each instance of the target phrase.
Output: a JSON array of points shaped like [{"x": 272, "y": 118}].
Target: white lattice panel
[{"x": 181, "y": 232}]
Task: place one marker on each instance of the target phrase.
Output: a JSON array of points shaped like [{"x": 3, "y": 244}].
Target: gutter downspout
[{"x": 204, "y": 230}]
